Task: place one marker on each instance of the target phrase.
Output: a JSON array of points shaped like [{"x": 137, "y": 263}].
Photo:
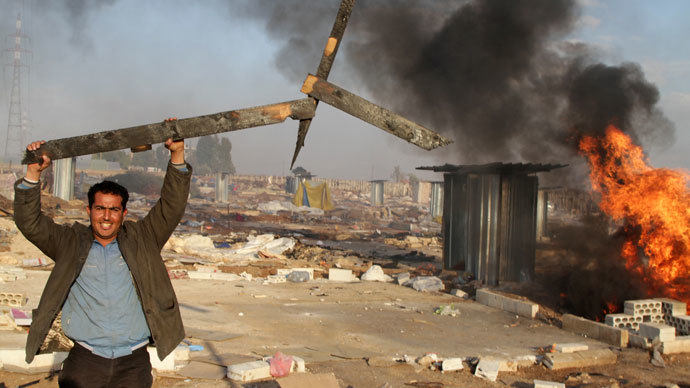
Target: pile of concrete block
[
  {"x": 12, "y": 299},
  {"x": 647, "y": 319}
]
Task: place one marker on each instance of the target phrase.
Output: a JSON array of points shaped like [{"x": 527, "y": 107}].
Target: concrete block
[
  {"x": 12, "y": 299},
  {"x": 672, "y": 307},
  {"x": 681, "y": 323},
  {"x": 298, "y": 365},
  {"x": 651, "y": 330},
  {"x": 286, "y": 271},
  {"x": 571, "y": 347},
  {"x": 515, "y": 306},
  {"x": 451, "y": 364},
  {"x": 12, "y": 360},
  {"x": 623, "y": 321},
  {"x": 249, "y": 371},
  {"x": 199, "y": 275},
  {"x": 228, "y": 277},
  {"x": 275, "y": 279},
  {"x": 340, "y": 275},
  {"x": 487, "y": 369},
  {"x": 680, "y": 345},
  {"x": 547, "y": 384},
  {"x": 582, "y": 359},
  {"x": 599, "y": 331},
  {"x": 173, "y": 361},
  {"x": 642, "y": 307},
  {"x": 459, "y": 293}
]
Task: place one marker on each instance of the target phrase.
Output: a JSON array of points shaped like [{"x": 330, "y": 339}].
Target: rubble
[{"x": 375, "y": 274}]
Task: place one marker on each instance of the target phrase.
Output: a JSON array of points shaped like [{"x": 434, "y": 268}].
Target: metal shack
[{"x": 489, "y": 219}]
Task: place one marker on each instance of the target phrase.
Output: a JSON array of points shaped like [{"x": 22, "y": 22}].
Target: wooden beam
[
  {"x": 327, "y": 58},
  {"x": 373, "y": 114},
  {"x": 180, "y": 129}
]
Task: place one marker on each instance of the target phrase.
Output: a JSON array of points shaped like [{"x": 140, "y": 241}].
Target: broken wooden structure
[
  {"x": 490, "y": 219},
  {"x": 316, "y": 87}
]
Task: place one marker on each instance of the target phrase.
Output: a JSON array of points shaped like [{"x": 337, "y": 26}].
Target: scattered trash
[
  {"x": 447, "y": 310},
  {"x": 280, "y": 365},
  {"x": 37, "y": 262},
  {"x": 298, "y": 276},
  {"x": 195, "y": 348}
]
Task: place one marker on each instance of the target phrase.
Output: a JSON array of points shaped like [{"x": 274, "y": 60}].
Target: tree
[
  {"x": 144, "y": 159},
  {"x": 213, "y": 154},
  {"x": 119, "y": 156}
]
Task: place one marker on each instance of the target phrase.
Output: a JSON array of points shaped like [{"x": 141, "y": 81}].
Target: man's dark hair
[{"x": 108, "y": 187}]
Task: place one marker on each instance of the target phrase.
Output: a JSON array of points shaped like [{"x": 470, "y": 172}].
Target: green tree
[
  {"x": 213, "y": 154},
  {"x": 144, "y": 159}
]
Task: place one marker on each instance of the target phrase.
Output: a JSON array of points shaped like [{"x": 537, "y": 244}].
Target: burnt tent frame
[{"x": 490, "y": 219}]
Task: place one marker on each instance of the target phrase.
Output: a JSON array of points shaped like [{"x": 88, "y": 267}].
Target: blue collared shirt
[{"x": 102, "y": 310}]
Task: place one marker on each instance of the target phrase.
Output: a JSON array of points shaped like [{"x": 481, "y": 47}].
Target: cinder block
[
  {"x": 640, "y": 342},
  {"x": 340, "y": 275},
  {"x": 547, "y": 384},
  {"x": 12, "y": 360},
  {"x": 173, "y": 361},
  {"x": 199, "y": 275},
  {"x": 624, "y": 321},
  {"x": 579, "y": 359},
  {"x": 515, "y": 306},
  {"x": 642, "y": 307},
  {"x": 651, "y": 330},
  {"x": 249, "y": 371},
  {"x": 403, "y": 279},
  {"x": 228, "y": 277},
  {"x": 459, "y": 293},
  {"x": 681, "y": 323},
  {"x": 451, "y": 364},
  {"x": 599, "y": 331},
  {"x": 12, "y": 299},
  {"x": 672, "y": 307},
  {"x": 680, "y": 345},
  {"x": 286, "y": 271},
  {"x": 571, "y": 347},
  {"x": 487, "y": 369}
]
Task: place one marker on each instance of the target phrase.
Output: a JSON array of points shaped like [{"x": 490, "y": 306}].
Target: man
[{"x": 109, "y": 279}]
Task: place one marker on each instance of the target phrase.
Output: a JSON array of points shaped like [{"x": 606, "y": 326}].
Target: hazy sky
[{"x": 110, "y": 64}]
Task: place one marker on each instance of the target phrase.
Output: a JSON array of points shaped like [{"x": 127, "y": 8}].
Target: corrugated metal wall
[{"x": 489, "y": 224}]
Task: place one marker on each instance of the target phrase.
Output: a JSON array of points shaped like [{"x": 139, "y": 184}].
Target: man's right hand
[{"x": 33, "y": 170}]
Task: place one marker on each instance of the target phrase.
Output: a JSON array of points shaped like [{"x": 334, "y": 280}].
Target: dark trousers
[{"x": 84, "y": 369}]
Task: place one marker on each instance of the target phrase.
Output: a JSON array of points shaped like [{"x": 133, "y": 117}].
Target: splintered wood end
[
  {"x": 308, "y": 85},
  {"x": 330, "y": 46},
  {"x": 278, "y": 111}
]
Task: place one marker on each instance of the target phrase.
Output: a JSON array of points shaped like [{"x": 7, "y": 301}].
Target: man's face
[{"x": 106, "y": 216}]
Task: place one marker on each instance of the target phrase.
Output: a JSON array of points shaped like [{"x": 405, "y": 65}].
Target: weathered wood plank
[
  {"x": 327, "y": 58},
  {"x": 373, "y": 114},
  {"x": 180, "y": 129}
]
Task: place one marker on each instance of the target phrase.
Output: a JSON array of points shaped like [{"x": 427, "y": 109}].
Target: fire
[{"x": 653, "y": 203}]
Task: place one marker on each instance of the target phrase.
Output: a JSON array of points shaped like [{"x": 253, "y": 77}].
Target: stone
[
  {"x": 249, "y": 371},
  {"x": 595, "y": 330},
  {"x": 173, "y": 361},
  {"x": 579, "y": 359},
  {"x": 451, "y": 364},
  {"x": 403, "y": 279},
  {"x": 547, "y": 384},
  {"x": 487, "y": 369},
  {"x": 571, "y": 347},
  {"x": 651, "y": 330},
  {"x": 680, "y": 345},
  {"x": 340, "y": 275},
  {"x": 638, "y": 341},
  {"x": 13, "y": 360}
]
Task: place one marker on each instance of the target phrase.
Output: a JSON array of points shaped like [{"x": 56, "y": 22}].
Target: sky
[{"x": 107, "y": 64}]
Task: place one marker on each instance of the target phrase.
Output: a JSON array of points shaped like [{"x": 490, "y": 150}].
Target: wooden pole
[
  {"x": 325, "y": 65},
  {"x": 373, "y": 114},
  {"x": 147, "y": 134}
]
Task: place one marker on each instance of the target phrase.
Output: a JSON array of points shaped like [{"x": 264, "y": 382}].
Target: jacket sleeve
[
  {"x": 163, "y": 218},
  {"x": 38, "y": 228}
]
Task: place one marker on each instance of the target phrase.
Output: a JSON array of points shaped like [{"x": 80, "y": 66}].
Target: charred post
[
  {"x": 147, "y": 134},
  {"x": 373, "y": 114}
]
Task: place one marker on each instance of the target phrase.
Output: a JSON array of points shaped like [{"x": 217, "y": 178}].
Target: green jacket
[{"x": 140, "y": 243}]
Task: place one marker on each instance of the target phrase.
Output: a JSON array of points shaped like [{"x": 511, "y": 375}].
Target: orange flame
[{"x": 654, "y": 201}]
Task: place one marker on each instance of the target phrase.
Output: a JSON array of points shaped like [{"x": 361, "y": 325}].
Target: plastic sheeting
[{"x": 313, "y": 195}]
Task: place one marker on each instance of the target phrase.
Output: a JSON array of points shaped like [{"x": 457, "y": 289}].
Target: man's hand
[
  {"x": 176, "y": 147},
  {"x": 33, "y": 170}
]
